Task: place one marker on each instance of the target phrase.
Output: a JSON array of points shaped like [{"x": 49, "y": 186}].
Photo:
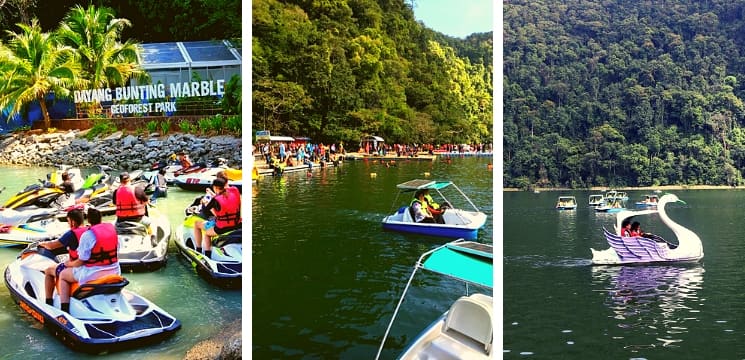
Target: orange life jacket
[
  {"x": 229, "y": 214},
  {"x": 78, "y": 231},
  {"x": 127, "y": 205},
  {"x": 104, "y": 252}
]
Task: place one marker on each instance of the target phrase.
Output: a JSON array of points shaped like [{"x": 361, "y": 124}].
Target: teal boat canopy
[
  {"x": 423, "y": 184},
  {"x": 466, "y": 261}
]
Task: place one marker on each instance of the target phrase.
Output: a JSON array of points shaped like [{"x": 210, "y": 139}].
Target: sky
[{"x": 458, "y": 18}]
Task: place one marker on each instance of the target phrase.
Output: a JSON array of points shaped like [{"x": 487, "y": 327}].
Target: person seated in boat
[
  {"x": 635, "y": 229},
  {"x": 184, "y": 160},
  {"x": 67, "y": 198},
  {"x": 626, "y": 228},
  {"x": 434, "y": 208},
  {"x": 70, "y": 241},
  {"x": 420, "y": 209},
  {"x": 131, "y": 201},
  {"x": 97, "y": 257},
  {"x": 226, "y": 207},
  {"x": 161, "y": 185}
]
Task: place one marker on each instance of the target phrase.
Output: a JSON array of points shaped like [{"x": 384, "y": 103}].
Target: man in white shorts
[{"x": 97, "y": 257}]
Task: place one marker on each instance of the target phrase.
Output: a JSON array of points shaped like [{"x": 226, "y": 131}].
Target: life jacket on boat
[
  {"x": 127, "y": 205},
  {"x": 431, "y": 202},
  {"x": 229, "y": 214},
  {"x": 78, "y": 231},
  {"x": 104, "y": 252}
]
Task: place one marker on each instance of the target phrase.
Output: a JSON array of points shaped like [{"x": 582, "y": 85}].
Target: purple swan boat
[{"x": 650, "y": 248}]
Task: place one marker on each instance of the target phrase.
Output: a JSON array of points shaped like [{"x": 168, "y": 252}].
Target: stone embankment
[
  {"x": 119, "y": 151},
  {"x": 224, "y": 346}
]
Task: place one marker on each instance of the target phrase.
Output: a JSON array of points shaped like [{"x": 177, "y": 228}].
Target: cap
[{"x": 124, "y": 176}]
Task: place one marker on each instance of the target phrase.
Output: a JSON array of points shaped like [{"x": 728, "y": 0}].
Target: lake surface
[
  {"x": 202, "y": 309},
  {"x": 557, "y": 305},
  {"x": 326, "y": 277}
]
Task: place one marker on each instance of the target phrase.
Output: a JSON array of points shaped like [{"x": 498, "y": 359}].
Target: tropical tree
[
  {"x": 32, "y": 65},
  {"x": 94, "y": 33}
]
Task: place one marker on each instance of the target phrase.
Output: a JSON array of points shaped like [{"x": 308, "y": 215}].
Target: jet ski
[
  {"x": 24, "y": 227},
  {"x": 144, "y": 247},
  {"x": 103, "y": 315},
  {"x": 95, "y": 192},
  {"x": 225, "y": 267}
]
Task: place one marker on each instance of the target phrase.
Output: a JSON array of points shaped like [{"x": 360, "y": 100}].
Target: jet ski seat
[
  {"x": 108, "y": 284},
  {"x": 232, "y": 237}
]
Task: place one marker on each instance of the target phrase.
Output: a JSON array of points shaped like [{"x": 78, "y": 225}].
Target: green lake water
[
  {"x": 558, "y": 306},
  {"x": 202, "y": 309},
  {"x": 326, "y": 277}
]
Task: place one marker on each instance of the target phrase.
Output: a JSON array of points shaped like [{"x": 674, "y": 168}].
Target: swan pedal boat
[
  {"x": 650, "y": 248},
  {"x": 225, "y": 267},
  {"x": 465, "y": 331},
  {"x": 459, "y": 223},
  {"x": 103, "y": 315}
]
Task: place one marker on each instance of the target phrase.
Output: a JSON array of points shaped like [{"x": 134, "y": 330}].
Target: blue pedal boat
[{"x": 458, "y": 223}]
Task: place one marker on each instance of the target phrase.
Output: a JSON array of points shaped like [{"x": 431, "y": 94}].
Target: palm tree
[
  {"x": 32, "y": 65},
  {"x": 94, "y": 33}
]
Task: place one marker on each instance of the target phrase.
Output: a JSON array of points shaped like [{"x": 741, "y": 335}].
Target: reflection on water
[{"x": 658, "y": 300}]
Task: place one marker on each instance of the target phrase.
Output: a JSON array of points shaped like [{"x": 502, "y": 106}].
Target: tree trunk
[{"x": 44, "y": 112}]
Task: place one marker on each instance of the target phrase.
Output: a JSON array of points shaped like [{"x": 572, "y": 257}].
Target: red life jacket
[
  {"x": 229, "y": 214},
  {"x": 78, "y": 231},
  {"x": 105, "y": 250},
  {"x": 127, "y": 205}
]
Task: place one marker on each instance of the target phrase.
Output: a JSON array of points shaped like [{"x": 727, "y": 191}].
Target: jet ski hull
[
  {"x": 224, "y": 269},
  {"x": 148, "y": 323}
]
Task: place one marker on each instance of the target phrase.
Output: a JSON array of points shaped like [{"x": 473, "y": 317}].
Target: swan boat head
[{"x": 650, "y": 249}]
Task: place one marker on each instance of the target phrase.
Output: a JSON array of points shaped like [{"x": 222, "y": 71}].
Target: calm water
[
  {"x": 326, "y": 277},
  {"x": 202, "y": 309},
  {"x": 556, "y": 305}
]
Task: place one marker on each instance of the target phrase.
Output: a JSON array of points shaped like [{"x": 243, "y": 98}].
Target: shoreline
[{"x": 632, "y": 188}]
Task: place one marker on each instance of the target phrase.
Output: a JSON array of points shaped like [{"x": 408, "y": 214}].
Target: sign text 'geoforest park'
[{"x": 150, "y": 92}]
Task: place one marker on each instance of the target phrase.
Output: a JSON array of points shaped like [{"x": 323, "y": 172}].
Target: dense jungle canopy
[
  {"x": 152, "y": 21},
  {"x": 623, "y": 93},
  {"x": 335, "y": 70}
]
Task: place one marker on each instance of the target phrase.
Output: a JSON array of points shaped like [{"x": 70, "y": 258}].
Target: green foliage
[
  {"x": 101, "y": 127},
  {"x": 186, "y": 127},
  {"x": 152, "y": 126},
  {"x": 165, "y": 127},
  {"x": 234, "y": 125},
  {"x": 338, "y": 70},
  {"x": 231, "y": 100},
  {"x": 631, "y": 99},
  {"x": 32, "y": 65},
  {"x": 204, "y": 125}
]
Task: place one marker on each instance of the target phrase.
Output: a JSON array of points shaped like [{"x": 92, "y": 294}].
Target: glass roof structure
[{"x": 193, "y": 54}]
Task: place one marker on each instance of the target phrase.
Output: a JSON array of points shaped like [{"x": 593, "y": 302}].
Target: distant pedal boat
[{"x": 566, "y": 203}]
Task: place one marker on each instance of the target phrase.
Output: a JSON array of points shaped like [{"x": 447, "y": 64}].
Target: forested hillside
[
  {"x": 152, "y": 21},
  {"x": 623, "y": 93},
  {"x": 337, "y": 70}
]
